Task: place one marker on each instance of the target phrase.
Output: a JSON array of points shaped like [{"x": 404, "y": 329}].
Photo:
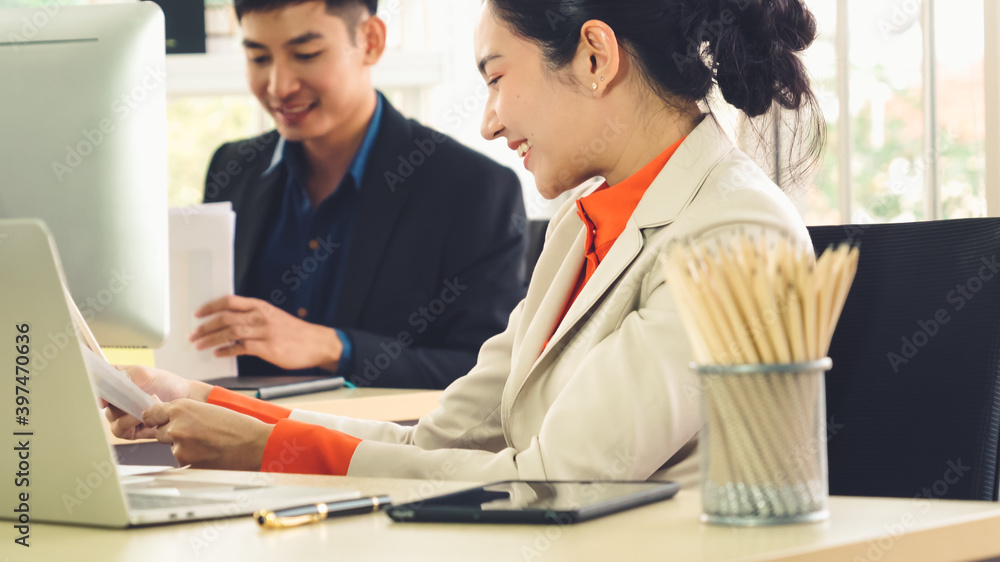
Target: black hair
[
  {"x": 749, "y": 48},
  {"x": 332, "y": 6}
]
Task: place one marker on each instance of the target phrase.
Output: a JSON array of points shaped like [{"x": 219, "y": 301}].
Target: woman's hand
[
  {"x": 156, "y": 382},
  {"x": 209, "y": 436}
]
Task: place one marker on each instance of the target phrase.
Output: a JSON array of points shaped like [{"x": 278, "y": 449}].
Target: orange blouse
[
  {"x": 605, "y": 212},
  {"x": 294, "y": 446}
]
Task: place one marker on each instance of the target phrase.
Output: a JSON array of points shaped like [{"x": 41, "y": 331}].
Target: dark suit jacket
[{"x": 434, "y": 266}]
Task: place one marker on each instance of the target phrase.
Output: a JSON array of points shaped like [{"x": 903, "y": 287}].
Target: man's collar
[
  {"x": 356, "y": 169},
  {"x": 277, "y": 157}
]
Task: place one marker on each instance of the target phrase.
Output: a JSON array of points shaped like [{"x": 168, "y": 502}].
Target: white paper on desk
[
  {"x": 201, "y": 270},
  {"x": 115, "y": 386}
]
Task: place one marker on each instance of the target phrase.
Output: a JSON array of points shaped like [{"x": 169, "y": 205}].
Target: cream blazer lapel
[
  {"x": 672, "y": 190},
  {"x": 551, "y": 283}
]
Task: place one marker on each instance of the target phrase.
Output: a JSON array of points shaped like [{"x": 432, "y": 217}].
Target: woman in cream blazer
[
  {"x": 612, "y": 395},
  {"x": 604, "y": 391}
]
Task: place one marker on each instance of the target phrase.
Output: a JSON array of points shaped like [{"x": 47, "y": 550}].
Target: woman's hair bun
[{"x": 756, "y": 52}]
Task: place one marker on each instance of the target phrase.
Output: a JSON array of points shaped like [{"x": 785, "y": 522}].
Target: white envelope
[{"x": 201, "y": 270}]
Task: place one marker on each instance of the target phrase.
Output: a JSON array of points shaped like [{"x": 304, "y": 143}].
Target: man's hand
[
  {"x": 245, "y": 326},
  {"x": 209, "y": 436},
  {"x": 156, "y": 382}
]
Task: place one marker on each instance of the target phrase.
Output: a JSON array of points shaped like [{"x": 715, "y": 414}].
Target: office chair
[{"x": 913, "y": 399}]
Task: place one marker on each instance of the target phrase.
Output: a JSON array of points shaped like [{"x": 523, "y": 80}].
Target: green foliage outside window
[{"x": 196, "y": 126}]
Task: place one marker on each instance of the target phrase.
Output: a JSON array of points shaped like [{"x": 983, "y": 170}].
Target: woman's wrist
[
  {"x": 199, "y": 391},
  {"x": 257, "y": 447}
]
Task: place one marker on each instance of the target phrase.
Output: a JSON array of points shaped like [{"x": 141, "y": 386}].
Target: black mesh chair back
[{"x": 913, "y": 399}]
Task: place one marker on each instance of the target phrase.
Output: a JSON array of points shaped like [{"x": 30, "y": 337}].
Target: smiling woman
[{"x": 590, "y": 379}]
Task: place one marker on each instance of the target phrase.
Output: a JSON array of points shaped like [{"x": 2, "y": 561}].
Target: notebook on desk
[
  {"x": 63, "y": 469},
  {"x": 271, "y": 387}
]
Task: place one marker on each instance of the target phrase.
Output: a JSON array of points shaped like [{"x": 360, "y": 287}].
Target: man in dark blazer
[{"x": 367, "y": 245}]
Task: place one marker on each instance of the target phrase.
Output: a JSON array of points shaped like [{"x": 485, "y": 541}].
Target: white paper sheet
[
  {"x": 115, "y": 386},
  {"x": 201, "y": 270},
  {"x": 112, "y": 385}
]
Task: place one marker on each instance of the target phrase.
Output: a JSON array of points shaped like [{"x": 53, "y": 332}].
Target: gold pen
[{"x": 295, "y": 516}]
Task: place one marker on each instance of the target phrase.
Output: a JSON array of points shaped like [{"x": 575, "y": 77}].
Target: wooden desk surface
[
  {"x": 386, "y": 404},
  {"x": 860, "y": 529},
  {"x": 882, "y": 530}
]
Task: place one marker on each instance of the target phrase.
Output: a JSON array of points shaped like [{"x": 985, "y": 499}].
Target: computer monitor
[{"x": 83, "y": 147}]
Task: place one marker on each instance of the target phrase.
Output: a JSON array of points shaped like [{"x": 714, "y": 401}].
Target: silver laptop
[{"x": 60, "y": 466}]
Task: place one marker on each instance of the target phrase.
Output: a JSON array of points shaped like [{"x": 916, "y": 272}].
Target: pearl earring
[{"x": 595, "y": 85}]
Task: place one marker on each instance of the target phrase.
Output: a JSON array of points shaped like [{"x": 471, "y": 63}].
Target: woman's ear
[{"x": 598, "y": 59}]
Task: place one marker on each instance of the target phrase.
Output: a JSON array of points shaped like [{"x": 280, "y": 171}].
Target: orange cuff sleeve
[
  {"x": 302, "y": 448},
  {"x": 264, "y": 411}
]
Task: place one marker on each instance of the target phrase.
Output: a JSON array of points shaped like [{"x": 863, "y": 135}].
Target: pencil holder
[{"x": 763, "y": 443}]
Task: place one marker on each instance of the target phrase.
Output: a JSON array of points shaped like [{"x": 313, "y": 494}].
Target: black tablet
[{"x": 525, "y": 501}]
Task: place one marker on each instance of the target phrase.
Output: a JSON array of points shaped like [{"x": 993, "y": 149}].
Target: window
[
  {"x": 196, "y": 126},
  {"x": 902, "y": 85}
]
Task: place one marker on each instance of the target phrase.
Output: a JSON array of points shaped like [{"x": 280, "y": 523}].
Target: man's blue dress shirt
[{"x": 303, "y": 255}]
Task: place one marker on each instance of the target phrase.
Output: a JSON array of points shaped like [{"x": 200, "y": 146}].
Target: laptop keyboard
[{"x": 149, "y": 501}]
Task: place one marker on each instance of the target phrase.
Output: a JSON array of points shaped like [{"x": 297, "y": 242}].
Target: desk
[
  {"x": 879, "y": 530},
  {"x": 384, "y": 404},
  {"x": 858, "y": 530}
]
